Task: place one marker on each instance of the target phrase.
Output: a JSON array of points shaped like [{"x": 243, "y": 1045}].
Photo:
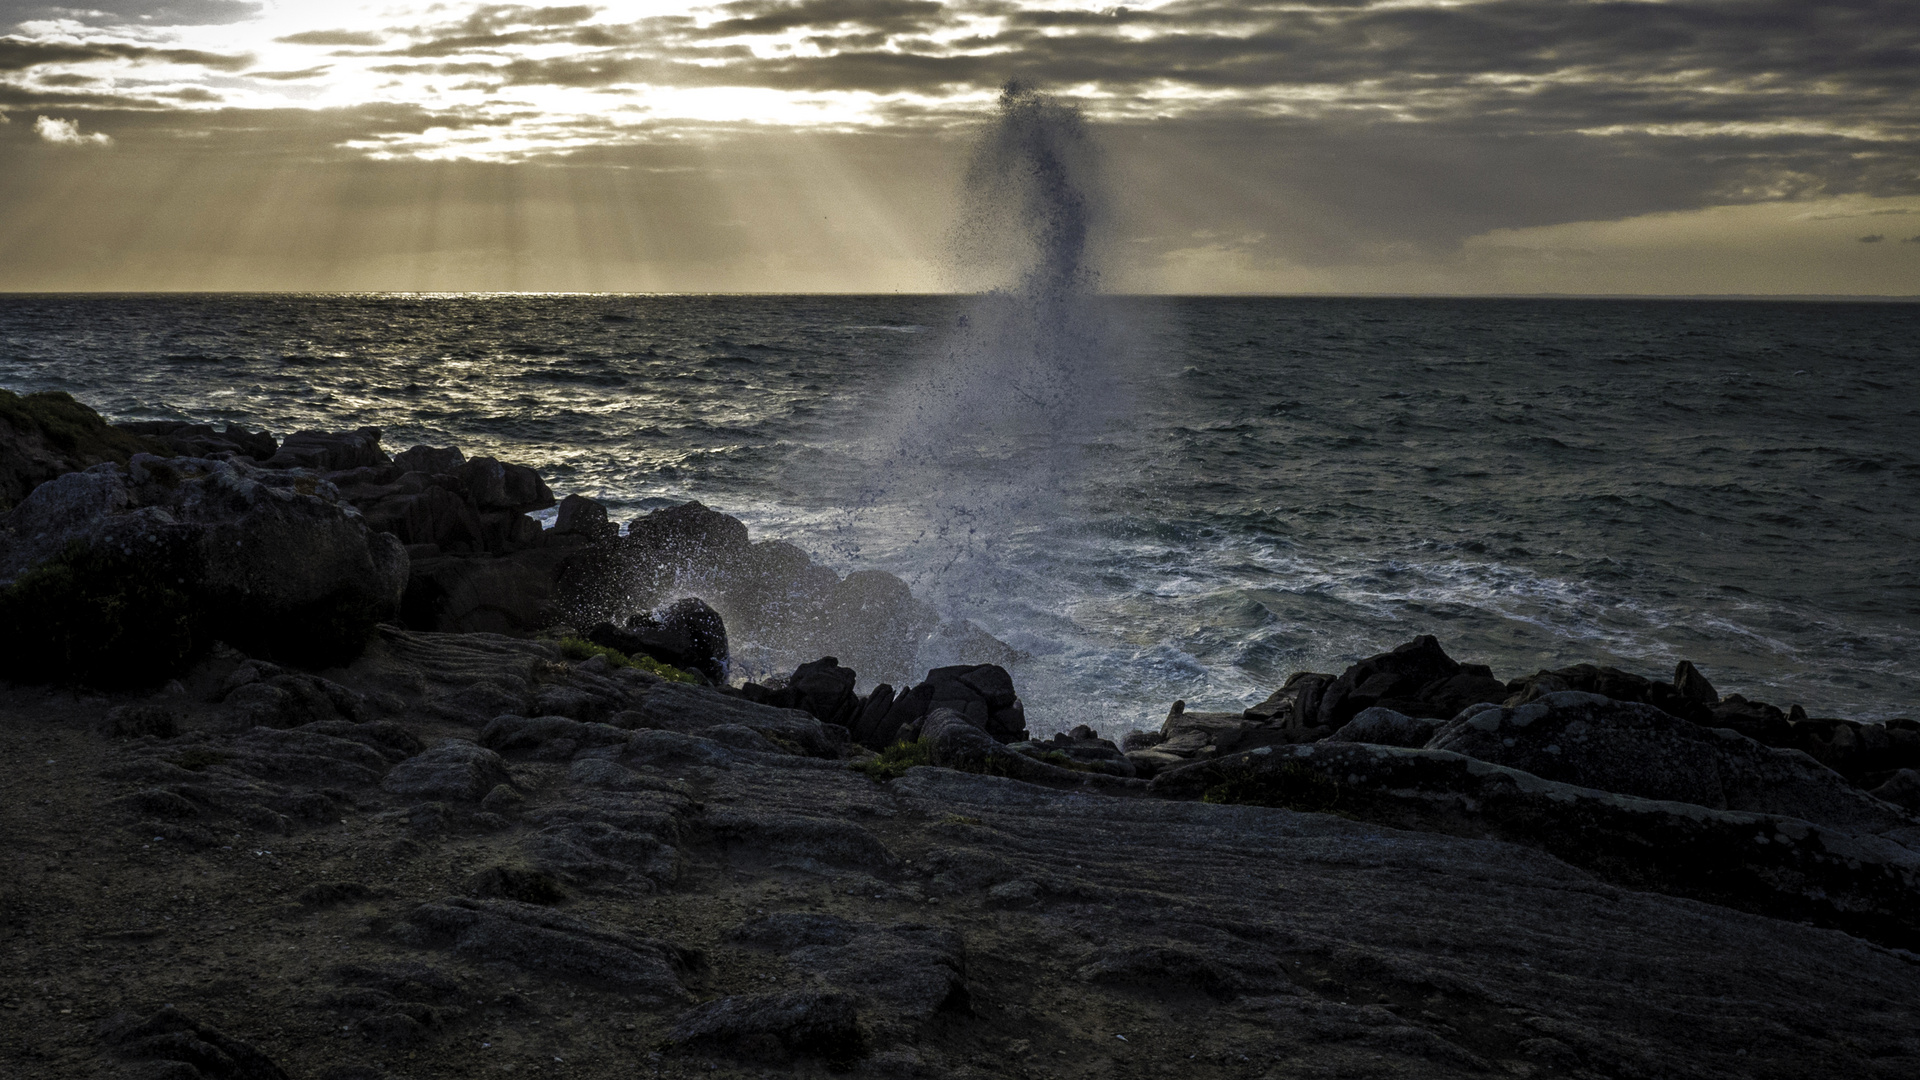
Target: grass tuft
[
  {"x": 895, "y": 760},
  {"x": 579, "y": 648}
]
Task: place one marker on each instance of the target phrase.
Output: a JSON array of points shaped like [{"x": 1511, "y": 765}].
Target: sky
[{"x": 1300, "y": 146}]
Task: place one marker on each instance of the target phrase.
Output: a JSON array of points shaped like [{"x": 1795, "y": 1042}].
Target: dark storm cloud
[{"x": 19, "y": 54}]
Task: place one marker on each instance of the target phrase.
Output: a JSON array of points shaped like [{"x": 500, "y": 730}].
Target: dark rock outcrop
[
  {"x": 982, "y": 693},
  {"x": 176, "y": 553},
  {"x": 1773, "y": 864},
  {"x": 48, "y": 434}
]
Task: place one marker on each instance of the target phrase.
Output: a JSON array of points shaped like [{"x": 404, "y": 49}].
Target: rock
[
  {"x": 1902, "y": 789},
  {"x": 330, "y": 451},
  {"x": 553, "y": 738},
  {"x": 1393, "y": 679},
  {"x": 452, "y": 770},
  {"x": 694, "y": 709},
  {"x": 268, "y": 695},
  {"x": 1296, "y": 705},
  {"x": 1203, "y": 734},
  {"x": 48, "y": 434},
  {"x": 202, "y": 441},
  {"x": 1609, "y": 682},
  {"x": 983, "y": 693},
  {"x": 1384, "y": 727},
  {"x": 1080, "y": 748},
  {"x": 1639, "y": 750},
  {"x": 1770, "y": 864},
  {"x": 183, "y": 552},
  {"x": 581, "y": 516},
  {"x": 1692, "y": 686},
  {"x": 688, "y": 635},
  {"x": 141, "y": 721},
  {"x": 434, "y": 516},
  {"x": 956, "y": 742},
  {"x": 825, "y": 689},
  {"x": 532, "y": 937},
  {"x": 513, "y": 883},
  {"x": 493, "y": 485},
  {"x": 775, "y": 1027},
  {"x": 431, "y": 460},
  {"x": 510, "y": 594},
  {"x": 169, "y": 1035},
  {"x": 868, "y": 723}
]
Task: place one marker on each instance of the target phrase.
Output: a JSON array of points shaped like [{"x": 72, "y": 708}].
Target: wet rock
[
  {"x": 955, "y": 742},
  {"x": 687, "y": 634},
  {"x": 1392, "y": 679},
  {"x": 431, "y": 460},
  {"x": 1639, "y": 750},
  {"x": 1384, "y": 727},
  {"x": 330, "y": 451},
  {"x": 1081, "y": 747},
  {"x": 983, "y": 694},
  {"x": 495, "y": 486},
  {"x": 694, "y": 709},
  {"x": 169, "y": 1035},
  {"x": 825, "y": 689},
  {"x": 581, "y": 516},
  {"x": 1771, "y": 864},
  {"x": 537, "y": 939},
  {"x": 775, "y": 1027},
  {"x": 452, "y": 770}
]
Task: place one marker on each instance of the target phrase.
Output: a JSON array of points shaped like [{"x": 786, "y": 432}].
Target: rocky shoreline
[{"x": 325, "y": 762}]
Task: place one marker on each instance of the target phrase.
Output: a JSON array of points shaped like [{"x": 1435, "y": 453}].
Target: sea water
[{"x": 1262, "y": 485}]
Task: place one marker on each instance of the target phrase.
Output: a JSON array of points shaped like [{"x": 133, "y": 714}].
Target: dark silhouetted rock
[
  {"x": 48, "y": 434},
  {"x": 203, "y": 440},
  {"x": 1392, "y": 679},
  {"x": 1384, "y": 727},
  {"x": 330, "y": 451},
  {"x": 982, "y": 693},
  {"x": 185, "y": 551},
  {"x": 1637, "y": 749},
  {"x": 431, "y": 460},
  {"x": 1867, "y": 885},
  {"x": 580, "y": 516}
]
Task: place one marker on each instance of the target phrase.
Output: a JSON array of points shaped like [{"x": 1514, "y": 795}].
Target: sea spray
[{"x": 987, "y": 436}]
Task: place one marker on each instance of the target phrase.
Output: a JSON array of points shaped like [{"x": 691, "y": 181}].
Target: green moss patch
[
  {"x": 577, "y": 648},
  {"x": 895, "y": 760}
]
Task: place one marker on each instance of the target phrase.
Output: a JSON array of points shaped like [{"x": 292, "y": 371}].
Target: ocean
[{"x": 1196, "y": 496}]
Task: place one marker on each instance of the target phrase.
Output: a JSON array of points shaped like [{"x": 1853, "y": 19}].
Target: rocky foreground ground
[
  {"x": 354, "y": 835},
  {"x": 401, "y": 884}
]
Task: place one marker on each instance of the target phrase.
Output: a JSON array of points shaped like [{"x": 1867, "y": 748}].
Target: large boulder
[
  {"x": 981, "y": 693},
  {"x": 120, "y": 574},
  {"x": 1400, "y": 680},
  {"x": 687, "y": 634},
  {"x": 1636, "y": 749}
]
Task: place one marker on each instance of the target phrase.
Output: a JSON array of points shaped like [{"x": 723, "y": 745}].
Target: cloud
[
  {"x": 1874, "y": 239},
  {"x": 333, "y": 37},
  {"x": 19, "y": 54},
  {"x": 67, "y": 133},
  {"x": 147, "y": 12},
  {"x": 289, "y": 76}
]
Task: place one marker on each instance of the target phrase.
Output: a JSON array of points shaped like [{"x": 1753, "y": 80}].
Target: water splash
[{"x": 989, "y": 434}]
